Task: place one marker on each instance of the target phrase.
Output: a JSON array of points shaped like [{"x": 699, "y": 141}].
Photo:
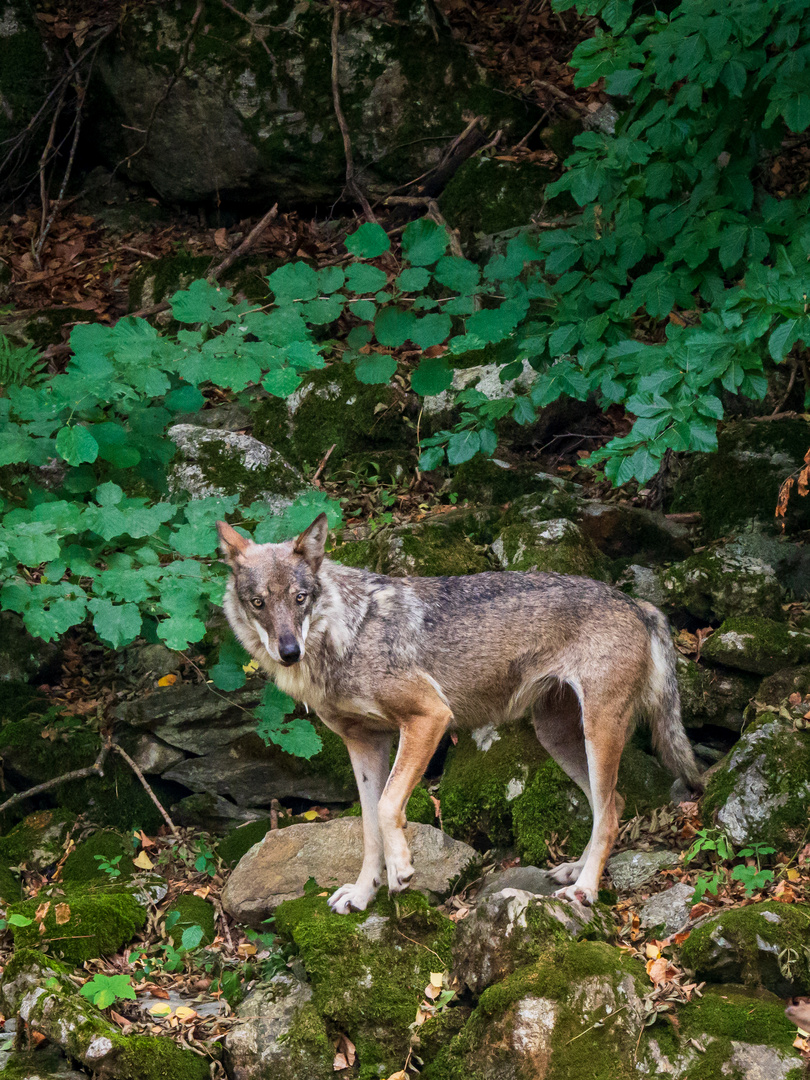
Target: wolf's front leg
[
  {"x": 370, "y": 756},
  {"x": 419, "y": 737}
]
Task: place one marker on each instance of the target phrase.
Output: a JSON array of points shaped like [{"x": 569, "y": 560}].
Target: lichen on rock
[
  {"x": 760, "y": 645},
  {"x": 558, "y": 545},
  {"x": 722, "y": 584}
]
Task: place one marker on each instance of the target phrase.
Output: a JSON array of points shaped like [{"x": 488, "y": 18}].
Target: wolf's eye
[
  {"x": 257, "y": 602},
  {"x": 300, "y": 598}
]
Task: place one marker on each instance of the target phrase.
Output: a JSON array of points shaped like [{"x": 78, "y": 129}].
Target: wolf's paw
[
  {"x": 566, "y": 873},
  {"x": 577, "y": 894},
  {"x": 399, "y": 876},
  {"x": 348, "y": 898}
]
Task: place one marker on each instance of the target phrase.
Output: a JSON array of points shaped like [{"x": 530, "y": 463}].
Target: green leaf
[
  {"x": 15, "y": 445},
  {"x": 75, "y": 445},
  {"x": 180, "y": 631},
  {"x": 431, "y": 330},
  {"x": 431, "y": 458},
  {"x": 228, "y": 673},
  {"x": 393, "y": 327},
  {"x": 375, "y": 369},
  {"x": 431, "y": 377},
  {"x": 463, "y": 445},
  {"x": 362, "y": 309},
  {"x": 294, "y": 736},
  {"x": 362, "y": 278},
  {"x": 413, "y": 279},
  {"x": 458, "y": 274},
  {"x": 424, "y": 242},
  {"x": 780, "y": 343},
  {"x": 369, "y": 241},
  {"x": 191, "y": 937},
  {"x": 282, "y": 382},
  {"x": 202, "y": 302},
  {"x": 115, "y": 624},
  {"x": 294, "y": 281},
  {"x": 797, "y": 112}
]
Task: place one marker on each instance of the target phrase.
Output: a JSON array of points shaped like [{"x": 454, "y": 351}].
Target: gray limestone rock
[
  {"x": 277, "y": 868},
  {"x": 669, "y": 909},
  {"x": 630, "y": 869},
  {"x": 530, "y": 879}
]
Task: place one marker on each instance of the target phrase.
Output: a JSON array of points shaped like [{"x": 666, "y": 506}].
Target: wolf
[{"x": 378, "y": 656}]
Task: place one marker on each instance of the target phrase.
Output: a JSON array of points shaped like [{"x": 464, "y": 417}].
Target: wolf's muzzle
[{"x": 288, "y": 650}]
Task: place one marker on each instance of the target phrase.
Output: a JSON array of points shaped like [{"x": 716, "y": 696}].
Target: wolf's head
[{"x": 276, "y": 586}]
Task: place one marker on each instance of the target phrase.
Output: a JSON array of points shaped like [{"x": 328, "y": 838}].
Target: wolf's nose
[{"x": 288, "y": 650}]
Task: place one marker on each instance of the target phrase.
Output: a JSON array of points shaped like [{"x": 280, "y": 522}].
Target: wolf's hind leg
[
  {"x": 370, "y": 755},
  {"x": 604, "y": 741},
  {"x": 419, "y": 736},
  {"x": 557, "y": 719}
]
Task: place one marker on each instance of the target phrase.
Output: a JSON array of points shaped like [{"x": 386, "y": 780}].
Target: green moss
[
  {"x": 20, "y": 701},
  {"x": 10, "y": 888},
  {"x": 556, "y": 546},
  {"x": 421, "y": 807},
  {"x": 643, "y": 781},
  {"x": 476, "y": 785},
  {"x": 736, "y": 1012},
  {"x": 82, "y": 866},
  {"x": 23, "y": 73},
  {"x": 37, "y": 840},
  {"x": 241, "y": 840},
  {"x": 158, "y": 279},
  {"x": 80, "y": 924},
  {"x": 744, "y": 956},
  {"x": 550, "y": 804},
  {"x": 309, "y": 1050},
  {"x": 776, "y": 689},
  {"x": 334, "y": 408},
  {"x": 368, "y": 980},
  {"x": 143, "y": 1057},
  {"x": 758, "y": 645},
  {"x": 482, "y": 481},
  {"x": 193, "y": 911},
  {"x": 429, "y": 551},
  {"x": 719, "y": 584},
  {"x": 483, "y": 1049},
  {"x": 741, "y": 481},
  {"x": 490, "y": 196},
  {"x": 223, "y": 467}
]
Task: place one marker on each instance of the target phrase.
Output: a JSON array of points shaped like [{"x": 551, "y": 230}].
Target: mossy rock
[
  {"x": 744, "y": 945},
  {"x": 574, "y": 1013},
  {"x": 558, "y": 546},
  {"x": 446, "y": 547},
  {"x": 38, "y": 840},
  {"x": 501, "y": 788},
  {"x": 369, "y": 970},
  {"x": 80, "y": 924},
  {"x": 755, "y": 644},
  {"x": 43, "y": 327},
  {"x": 643, "y": 780},
  {"x": 159, "y": 279},
  {"x": 759, "y": 793},
  {"x": 777, "y": 688},
  {"x": 482, "y": 480},
  {"x": 241, "y": 840},
  {"x": 83, "y": 867},
  {"x": 721, "y": 585},
  {"x": 490, "y": 196},
  {"x": 192, "y": 911},
  {"x": 740, "y": 482},
  {"x": 331, "y": 407},
  {"x": 714, "y": 695},
  {"x": 419, "y": 808},
  {"x": 24, "y": 73}
]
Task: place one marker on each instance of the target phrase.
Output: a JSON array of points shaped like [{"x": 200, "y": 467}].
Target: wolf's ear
[
  {"x": 231, "y": 543},
  {"x": 312, "y": 541}
]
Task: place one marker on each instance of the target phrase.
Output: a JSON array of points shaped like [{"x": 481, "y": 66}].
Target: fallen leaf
[
  {"x": 160, "y": 1009},
  {"x": 246, "y": 948},
  {"x": 652, "y": 951},
  {"x": 310, "y": 815},
  {"x": 437, "y": 979},
  {"x": 700, "y": 909},
  {"x": 432, "y": 992},
  {"x": 661, "y": 970},
  {"x": 62, "y": 914},
  {"x": 119, "y": 1019},
  {"x": 220, "y": 239},
  {"x": 158, "y": 992},
  {"x": 42, "y": 910},
  {"x": 167, "y": 680},
  {"x": 795, "y": 699},
  {"x": 203, "y": 892},
  {"x": 183, "y": 1012},
  {"x": 144, "y": 839},
  {"x": 143, "y": 862}
]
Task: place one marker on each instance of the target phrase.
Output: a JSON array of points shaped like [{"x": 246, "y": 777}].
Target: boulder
[
  {"x": 759, "y": 793},
  {"x": 279, "y": 866},
  {"x": 220, "y": 463},
  {"x": 738, "y": 485},
  {"x": 755, "y": 644},
  {"x": 212, "y": 813},
  {"x": 511, "y": 928},
  {"x": 39, "y": 991},
  {"x": 575, "y": 1012},
  {"x": 713, "y": 696},
  {"x": 24, "y": 74},
  {"x": 558, "y": 545},
  {"x": 723, "y": 584},
  {"x": 369, "y": 972},
  {"x": 668, "y": 909},
  {"x": 23, "y": 658},
  {"x": 631, "y": 869},
  {"x": 279, "y": 1035},
  {"x": 762, "y": 945},
  {"x": 530, "y": 879},
  {"x": 245, "y": 108}
]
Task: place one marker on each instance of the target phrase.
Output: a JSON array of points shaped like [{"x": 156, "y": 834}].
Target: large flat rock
[{"x": 277, "y": 868}]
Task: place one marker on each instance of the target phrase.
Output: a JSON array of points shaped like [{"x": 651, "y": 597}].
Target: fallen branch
[
  {"x": 120, "y": 750},
  {"x": 45, "y": 226},
  {"x": 96, "y": 769},
  {"x": 315, "y": 481},
  {"x": 246, "y": 244},
  {"x": 351, "y": 183}
]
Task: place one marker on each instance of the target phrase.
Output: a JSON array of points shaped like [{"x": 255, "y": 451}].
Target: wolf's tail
[{"x": 663, "y": 703}]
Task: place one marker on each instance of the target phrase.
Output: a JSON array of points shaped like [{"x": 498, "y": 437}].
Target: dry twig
[
  {"x": 315, "y": 481},
  {"x": 352, "y": 186},
  {"x": 120, "y": 750},
  {"x": 96, "y": 769}
]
